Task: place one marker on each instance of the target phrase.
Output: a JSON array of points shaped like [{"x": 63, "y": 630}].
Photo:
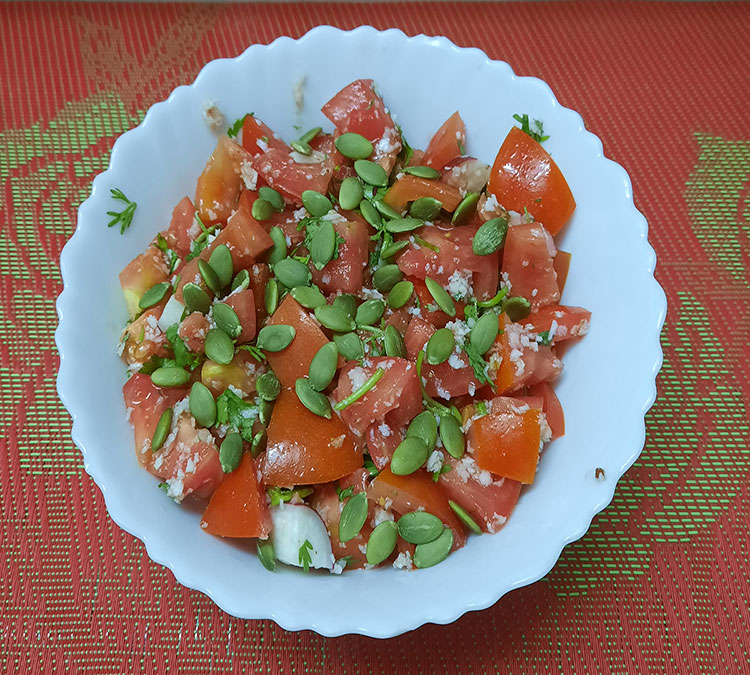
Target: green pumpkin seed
[
  {"x": 163, "y": 426},
  {"x": 485, "y": 331},
  {"x": 268, "y": 386},
  {"x": 226, "y": 318},
  {"x": 381, "y": 543},
  {"x": 271, "y": 296},
  {"x": 386, "y": 277},
  {"x": 434, "y": 552},
  {"x": 219, "y": 346},
  {"x": 241, "y": 280},
  {"x": 323, "y": 366},
  {"x": 291, "y": 272},
  {"x": 196, "y": 299},
  {"x": 202, "y": 404},
  {"x": 350, "y": 346},
  {"x": 466, "y": 209},
  {"x": 394, "y": 248},
  {"x": 350, "y": 193},
  {"x": 422, "y": 172},
  {"x": 222, "y": 264},
  {"x": 170, "y": 376},
  {"x": 347, "y": 303},
  {"x": 353, "y": 517},
  {"x": 371, "y": 173},
  {"x": 230, "y": 452},
  {"x": 209, "y": 276},
  {"x": 334, "y": 319},
  {"x": 258, "y": 443},
  {"x": 464, "y": 517},
  {"x": 279, "y": 250},
  {"x": 452, "y": 436},
  {"x": 264, "y": 412},
  {"x": 310, "y": 135},
  {"x": 403, "y": 225},
  {"x": 370, "y": 213},
  {"x": 314, "y": 401},
  {"x": 273, "y": 197},
  {"x": 490, "y": 237},
  {"x": 400, "y": 294},
  {"x": 316, "y": 203},
  {"x": 440, "y": 346},
  {"x": 409, "y": 456},
  {"x": 369, "y": 312},
  {"x": 301, "y": 148},
  {"x": 154, "y": 295},
  {"x": 394, "y": 343},
  {"x": 425, "y": 427},
  {"x": 354, "y": 146},
  {"x": 419, "y": 527},
  {"x": 275, "y": 337},
  {"x": 517, "y": 308},
  {"x": 441, "y": 297},
  {"x": 323, "y": 244},
  {"x": 385, "y": 209},
  {"x": 308, "y": 296},
  {"x": 262, "y": 209},
  {"x": 426, "y": 208},
  {"x": 266, "y": 554}
]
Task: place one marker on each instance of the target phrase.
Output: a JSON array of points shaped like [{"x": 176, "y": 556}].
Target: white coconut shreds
[
  {"x": 435, "y": 461},
  {"x": 466, "y": 468},
  {"x": 249, "y": 175},
  {"x": 357, "y": 377},
  {"x": 459, "y": 284},
  {"x": 496, "y": 523},
  {"x": 403, "y": 561}
]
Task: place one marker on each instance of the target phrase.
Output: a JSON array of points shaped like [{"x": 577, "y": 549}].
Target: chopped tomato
[
  {"x": 239, "y": 373},
  {"x": 190, "y": 274},
  {"x": 551, "y": 407},
  {"x": 382, "y": 441},
  {"x": 219, "y": 185},
  {"x": 183, "y": 228},
  {"x": 259, "y": 276},
  {"x": 245, "y": 238},
  {"x": 193, "y": 330},
  {"x": 448, "y": 143},
  {"x": 144, "y": 337},
  {"x": 409, "y": 188},
  {"x": 560, "y": 322},
  {"x": 561, "y": 263},
  {"x": 344, "y": 274},
  {"x": 257, "y": 137},
  {"x": 243, "y": 303},
  {"x": 468, "y": 174},
  {"x": 325, "y": 501},
  {"x": 358, "y": 479},
  {"x": 280, "y": 171},
  {"x": 304, "y": 448},
  {"x": 398, "y": 318},
  {"x": 143, "y": 272},
  {"x": 294, "y": 361},
  {"x": 238, "y": 508},
  {"x": 341, "y": 167},
  {"x": 524, "y": 176}
]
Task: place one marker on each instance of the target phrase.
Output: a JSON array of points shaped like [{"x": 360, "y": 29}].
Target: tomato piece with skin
[
  {"x": 259, "y": 276},
  {"x": 551, "y": 407},
  {"x": 193, "y": 330},
  {"x": 358, "y": 479},
  {"x": 448, "y": 143},
  {"x": 382, "y": 441},
  {"x": 257, "y": 137},
  {"x": 304, "y": 448},
  {"x": 561, "y": 322},
  {"x": 144, "y": 271},
  {"x": 238, "y": 507},
  {"x": 281, "y": 172},
  {"x": 561, "y": 263},
  {"x": 408, "y": 188},
  {"x": 183, "y": 228},
  {"x": 436, "y": 317},
  {"x": 245, "y": 237},
  {"x": 240, "y": 373},
  {"x": 144, "y": 338},
  {"x": 345, "y": 273},
  {"x": 525, "y": 176},
  {"x": 218, "y": 187},
  {"x": 341, "y": 167},
  {"x": 243, "y": 303}
]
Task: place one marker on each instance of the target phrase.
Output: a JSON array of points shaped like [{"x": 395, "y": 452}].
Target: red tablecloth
[{"x": 661, "y": 581}]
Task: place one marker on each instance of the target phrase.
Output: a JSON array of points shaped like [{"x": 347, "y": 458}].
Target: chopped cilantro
[
  {"x": 183, "y": 357},
  {"x": 370, "y": 466},
  {"x": 172, "y": 258},
  {"x": 238, "y": 414},
  {"x": 461, "y": 149},
  {"x": 537, "y": 133},
  {"x": 543, "y": 338},
  {"x": 304, "y": 555},
  {"x": 481, "y": 408},
  {"x": 254, "y": 351},
  {"x": 236, "y": 126},
  {"x": 125, "y": 217},
  {"x": 477, "y": 362},
  {"x": 436, "y": 474}
]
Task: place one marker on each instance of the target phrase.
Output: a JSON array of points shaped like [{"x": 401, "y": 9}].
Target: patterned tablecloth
[{"x": 661, "y": 581}]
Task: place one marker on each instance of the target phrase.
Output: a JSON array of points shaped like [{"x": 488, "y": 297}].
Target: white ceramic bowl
[{"x": 607, "y": 386}]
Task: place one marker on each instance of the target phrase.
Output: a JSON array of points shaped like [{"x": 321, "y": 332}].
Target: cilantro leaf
[
  {"x": 445, "y": 468},
  {"x": 481, "y": 408},
  {"x": 238, "y": 414},
  {"x": 406, "y": 150},
  {"x": 236, "y": 126},
  {"x": 183, "y": 357},
  {"x": 125, "y": 217},
  {"x": 537, "y": 133},
  {"x": 304, "y": 555},
  {"x": 543, "y": 338},
  {"x": 172, "y": 258},
  {"x": 477, "y": 362}
]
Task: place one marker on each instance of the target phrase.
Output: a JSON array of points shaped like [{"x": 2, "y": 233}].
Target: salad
[{"x": 346, "y": 346}]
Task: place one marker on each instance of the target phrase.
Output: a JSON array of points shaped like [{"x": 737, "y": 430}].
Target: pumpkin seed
[
  {"x": 154, "y": 295},
  {"x": 262, "y": 209},
  {"x": 426, "y": 208},
  {"x": 419, "y": 527},
  {"x": 222, "y": 264},
  {"x": 371, "y": 173},
  {"x": 308, "y": 296},
  {"x": 241, "y": 280},
  {"x": 219, "y": 346},
  {"x": 316, "y": 203},
  {"x": 323, "y": 366},
  {"x": 425, "y": 427},
  {"x": 369, "y": 312},
  {"x": 226, "y": 318},
  {"x": 275, "y": 337},
  {"x": 170, "y": 376},
  {"x": 291, "y": 272},
  {"x": 394, "y": 248},
  {"x": 230, "y": 452},
  {"x": 403, "y": 224},
  {"x": 258, "y": 443},
  {"x": 400, "y": 294},
  {"x": 209, "y": 276},
  {"x": 422, "y": 172},
  {"x": 381, "y": 543},
  {"x": 440, "y": 346},
  {"x": 161, "y": 432},
  {"x": 310, "y": 135},
  {"x": 517, "y": 308},
  {"x": 353, "y": 517},
  {"x": 266, "y": 554},
  {"x": 394, "y": 343},
  {"x": 323, "y": 244},
  {"x": 264, "y": 412},
  {"x": 409, "y": 456},
  {"x": 466, "y": 209},
  {"x": 346, "y": 303},
  {"x": 273, "y": 197},
  {"x": 279, "y": 250},
  {"x": 370, "y": 213},
  {"x": 334, "y": 319},
  {"x": 452, "y": 436},
  {"x": 268, "y": 386},
  {"x": 386, "y": 277},
  {"x": 271, "y": 296},
  {"x": 354, "y": 146},
  {"x": 350, "y": 193},
  {"x": 202, "y": 404},
  {"x": 485, "y": 330},
  {"x": 350, "y": 346},
  {"x": 385, "y": 209},
  {"x": 301, "y": 148},
  {"x": 196, "y": 299},
  {"x": 441, "y": 297},
  {"x": 465, "y": 518},
  {"x": 490, "y": 237},
  {"x": 434, "y": 552},
  {"x": 314, "y": 401}
]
